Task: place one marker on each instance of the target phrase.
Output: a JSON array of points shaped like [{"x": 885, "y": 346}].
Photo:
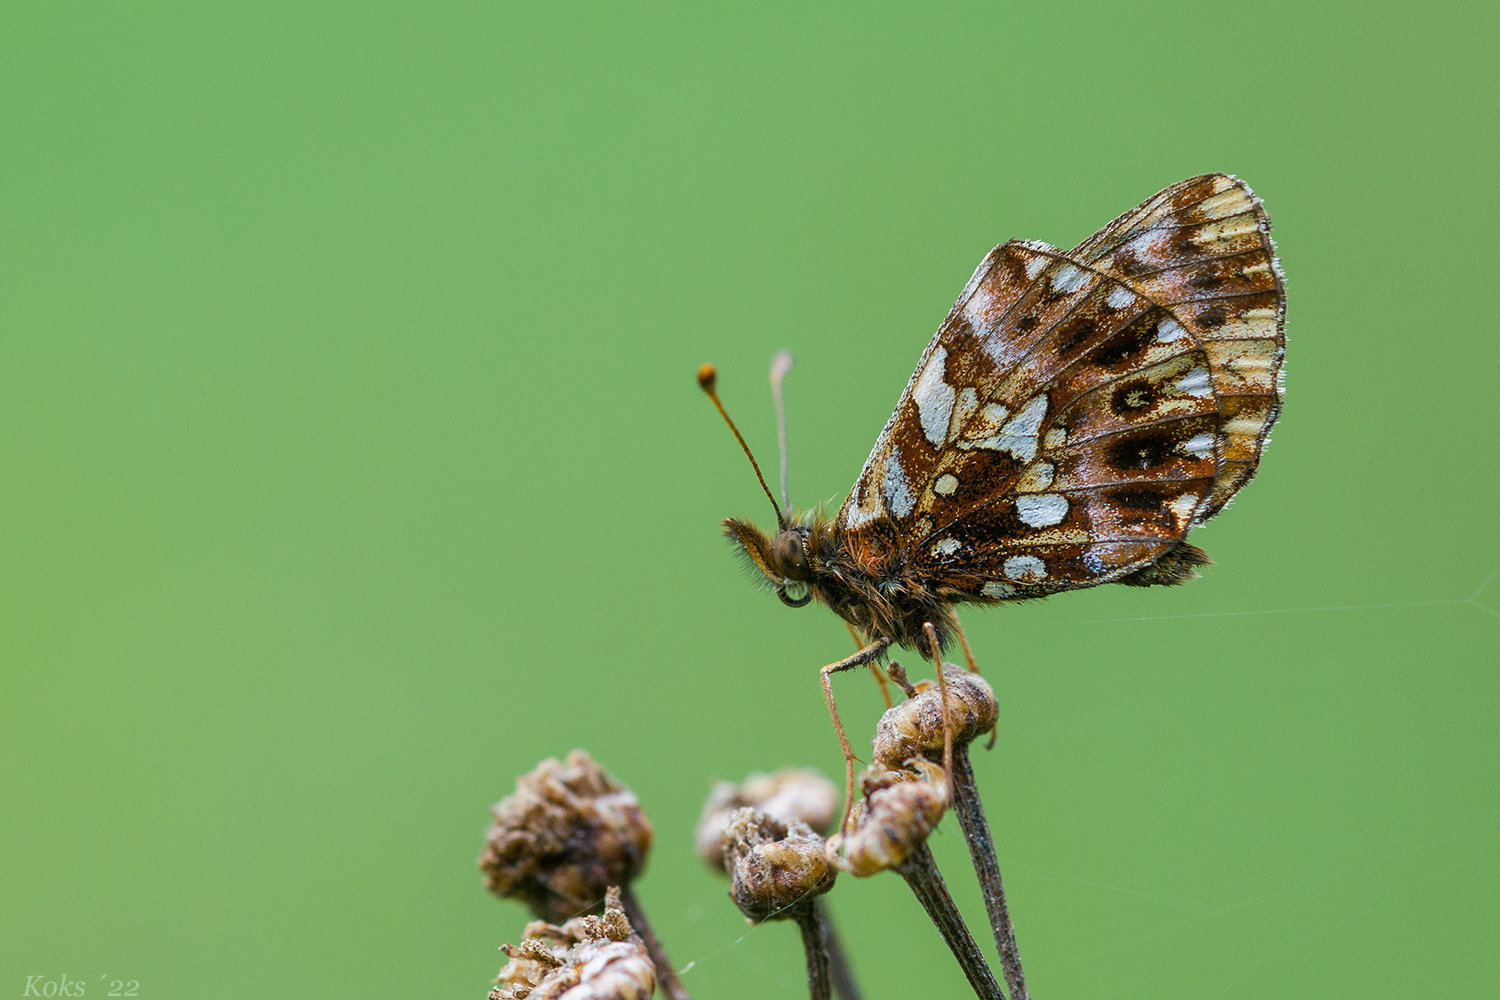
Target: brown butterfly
[{"x": 1075, "y": 416}]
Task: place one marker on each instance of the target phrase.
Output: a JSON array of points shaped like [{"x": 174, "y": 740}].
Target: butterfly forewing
[{"x": 1073, "y": 418}]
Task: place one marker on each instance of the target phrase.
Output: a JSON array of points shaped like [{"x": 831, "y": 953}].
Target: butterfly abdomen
[{"x": 1179, "y": 565}]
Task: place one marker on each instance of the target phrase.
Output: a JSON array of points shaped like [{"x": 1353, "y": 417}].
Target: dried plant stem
[
  {"x": 921, "y": 873},
  {"x": 844, "y": 985},
  {"x": 666, "y": 974},
  {"x": 810, "y": 921},
  {"x": 982, "y": 849}
]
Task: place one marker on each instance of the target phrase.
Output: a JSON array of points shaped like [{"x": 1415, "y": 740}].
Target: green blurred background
[{"x": 351, "y": 462}]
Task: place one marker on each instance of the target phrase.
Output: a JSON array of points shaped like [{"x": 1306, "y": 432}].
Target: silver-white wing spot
[
  {"x": 1119, "y": 297},
  {"x": 1018, "y": 436},
  {"x": 1025, "y": 569},
  {"x": 1195, "y": 383},
  {"x": 1068, "y": 278},
  {"x": 977, "y": 309},
  {"x": 1184, "y": 506},
  {"x": 897, "y": 491},
  {"x": 997, "y": 589},
  {"x": 1149, "y": 244},
  {"x": 1199, "y": 445},
  {"x": 946, "y": 485},
  {"x": 1169, "y": 330},
  {"x": 1029, "y": 421},
  {"x": 1042, "y": 510},
  {"x": 865, "y": 507},
  {"x": 946, "y": 547},
  {"x": 934, "y": 398}
]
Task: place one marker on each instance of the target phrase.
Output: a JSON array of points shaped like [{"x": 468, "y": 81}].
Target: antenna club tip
[{"x": 707, "y": 376}]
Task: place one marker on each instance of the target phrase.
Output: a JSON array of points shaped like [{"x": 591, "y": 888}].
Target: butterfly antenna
[
  {"x": 780, "y": 365},
  {"x": 707, "y": 376}
]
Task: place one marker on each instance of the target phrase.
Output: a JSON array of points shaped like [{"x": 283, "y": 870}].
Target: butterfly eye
[
  {"x": 802, "y": 594},
  {"x": 791, "y": 554}
]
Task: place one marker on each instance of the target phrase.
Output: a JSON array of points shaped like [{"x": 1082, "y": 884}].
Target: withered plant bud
[
  {"x": 777, "y": 871},
  {"x": 793, "y": 795},
  {"x": 914, "y": 728},
  {"x": 888, "y": 829},
  {"x": 899, "y": 810},
  {"x": 775, "y": 868},
  {"x": 568, "y": 833},
  {"x": 587, "y": 958}
]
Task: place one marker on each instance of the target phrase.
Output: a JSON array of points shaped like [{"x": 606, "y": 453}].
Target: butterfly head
[{"x": 786, "y": 559}]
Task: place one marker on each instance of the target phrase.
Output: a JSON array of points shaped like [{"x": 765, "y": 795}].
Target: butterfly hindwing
[{"x": 1203, "y": 247}]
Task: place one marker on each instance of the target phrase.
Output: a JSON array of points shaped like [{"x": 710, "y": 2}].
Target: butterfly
[{"x": 1076, "y": 415}]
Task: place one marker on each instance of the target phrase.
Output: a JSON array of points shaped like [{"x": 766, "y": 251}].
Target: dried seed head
[
  {"x": 587, "y": 958},
  {"x": 914, "y": 728},
  {"x": 568, "y": 833},
  {"x": 794, "y": 795},
  {"x": 774, "y": 867},
  {"x": 900, "y": 808}
]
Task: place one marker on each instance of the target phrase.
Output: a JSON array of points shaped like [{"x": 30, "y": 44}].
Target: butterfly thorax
[{"x": 863, "y": 578}]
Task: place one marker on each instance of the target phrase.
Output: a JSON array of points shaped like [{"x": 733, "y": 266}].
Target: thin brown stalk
[
  {"x": 666, "y": 973},
  {"x": 921, "y": 873},
  {"x": 982, "y": 849},
  {"x": 844, "y": 985},
  {"x": 809, "y": 920}
]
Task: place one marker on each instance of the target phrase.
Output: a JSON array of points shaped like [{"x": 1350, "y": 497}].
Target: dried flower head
[
  {"x": 568, "y": 833},
  {"x": 914, "y": 728},
  {"x": 776, "y": 868},
  {"x": 793, "y": 795},
  {"x": 587, "y": 958},
  {"x": 899, "y": 809}
]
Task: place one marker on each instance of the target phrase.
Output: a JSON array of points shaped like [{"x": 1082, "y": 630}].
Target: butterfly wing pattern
[{"x": 1079, "y": 412}]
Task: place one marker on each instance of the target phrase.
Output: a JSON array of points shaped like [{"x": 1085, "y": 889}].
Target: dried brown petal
[
  {"x": 899, "y": 810},
  {"x": 775, "y": 867},
  {"x": 587, "y": 958},
  {"x": 914, "y": 728},
  {"x": 794, "y": 794},
  {"x": 568, "y": 833}
]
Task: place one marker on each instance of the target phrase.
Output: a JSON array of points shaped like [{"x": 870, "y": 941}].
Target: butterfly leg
[
  {"x": 885, "y": 690},
  {"x": 963, "y": 641},
  {"x": 869, "y": 654},
  {"x": 973, "y": 667},
  {"x": 937, "y": 662}
]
